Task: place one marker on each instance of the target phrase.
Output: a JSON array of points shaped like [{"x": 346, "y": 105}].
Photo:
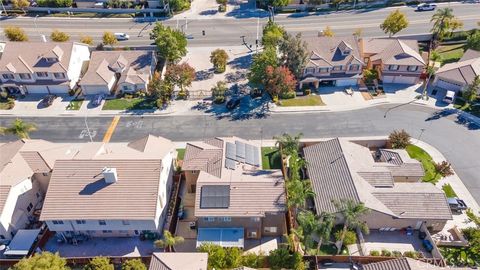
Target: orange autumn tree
[{"x": 279, "y": 81}]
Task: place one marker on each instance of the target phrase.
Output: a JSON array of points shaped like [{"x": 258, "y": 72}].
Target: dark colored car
[
  {"x": 48, "y": 100},
  {"x": 427, "y": 245},
  {"x": 97, "y": 100},
  {"x": 456, "y": 204},
  {"x": 233, "y": 103}
]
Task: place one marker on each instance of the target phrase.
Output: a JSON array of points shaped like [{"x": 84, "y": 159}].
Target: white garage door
[
  {"x": 447, "y": 85},
  {"x": 94, "y": 89},
  {"x": 58, "y": 89},
  {"x": 346, "y": 82},
  {"x": 37, "y": 89},
  {"x": 399, "y": 79}
]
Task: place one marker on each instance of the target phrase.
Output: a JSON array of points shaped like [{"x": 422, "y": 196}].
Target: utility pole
[
  {"x": 258, "y": 30},
  {"x": 186, "y": 24},
  {"x": 4, "y": 10}
]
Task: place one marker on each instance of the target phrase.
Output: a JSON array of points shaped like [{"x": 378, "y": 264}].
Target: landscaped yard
[
  {"x": 310, "y": 100},
  {"x": 450, "y": 53},
  {"x": 130, "y": 104},
  {"x": 447, "y": 188},
  {"x": 7, "y": 104},
  {"x": 271, "y": 158},
  {"x": 460, "y": 104},
  {"x": 180, "y": 153},
  {"x": 75, "y": 105},
  {"x": 428, "y": 164}
]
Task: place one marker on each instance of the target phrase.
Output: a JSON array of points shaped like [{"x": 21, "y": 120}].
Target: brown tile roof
[
  {"x": 29, "y": 57},
  {"x": 4, "y": 190},
  {"x": 77, "y": 190},
  {"x": 393, "y": 51},
  {"x": 470, "y": 54},
  {"x": 327, "y": 51},
  {"x": 9, "y": 150},
  {"x": 378, "y": 179},
  {"x": 204, "y": 157},
  {"x": 463, "y": 71},
  {"x": 404, "y": 264},
  {"x": 179, "y": 261},
  {"x": 35, "y": 161}
]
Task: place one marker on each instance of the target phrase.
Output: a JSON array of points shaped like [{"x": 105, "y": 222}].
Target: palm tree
[
  {"x": 298, "y": 192},
  {"x": 308, "y": 222},
  {"x": 290, "y": 242},
  {"x": 168, "y": 241},
  {"x": 19, "y": 128},
  {"x": 351, "y": 212},
  {"x": 444, "y": 23},
  {"x": 324, "y": 229},
  {"x": 288, "y": 144},
  {"x": 296, "y": 164}
]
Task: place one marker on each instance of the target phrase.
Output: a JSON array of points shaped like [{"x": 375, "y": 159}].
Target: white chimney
[{"x": 110, "y": 175}]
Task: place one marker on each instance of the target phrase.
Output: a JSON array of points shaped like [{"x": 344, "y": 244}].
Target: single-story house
[
  {"x": 455, "y": 76},
  {"x": 179, "y": 260}
]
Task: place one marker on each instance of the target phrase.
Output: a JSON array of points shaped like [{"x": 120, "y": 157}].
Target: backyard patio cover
[
  {"x": 225, "y": 237},
  {"x": 22, "y": 242}
]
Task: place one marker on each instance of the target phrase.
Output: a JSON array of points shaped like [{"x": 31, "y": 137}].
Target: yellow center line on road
[{"x": 111, "y": 129}]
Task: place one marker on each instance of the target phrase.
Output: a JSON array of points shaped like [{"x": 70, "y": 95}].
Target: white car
[
  {"x": 449, "y": 97},
  {"x": 121, "y": 36},
  {"x": 426, "y": 7}
]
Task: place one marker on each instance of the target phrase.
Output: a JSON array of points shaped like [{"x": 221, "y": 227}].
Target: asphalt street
[
  {"x": 459, "y": 142},
  {"x": 228, "y": 31}
]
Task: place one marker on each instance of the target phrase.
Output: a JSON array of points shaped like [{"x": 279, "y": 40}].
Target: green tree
[
  {"x": 219, "y": 59},
  {"x": 287, "y": 143},
  {"x": 395, "y": 22},
  {"x": 160, "y": 89},
  {"x": 399, "y": 139},
  {"x": 14, "y": 33},
  {"x": 260, "y": 63},
  {"x": 87, "y": 40},
  {"x": 294, "y": 53},
  {"x": 253, "y": 260},
  {"x": 279, "y": 258},
  {"x": 298, "y": 192},
  {"x": 444, "y": 23},
  {"x": 59, "y": 36},
  {"x": 109, "y": 38},
  {"x": 349, "y": 238},
  {"x": 134, "y": 264},
  {"x": 472, "y": 90},
  {"x": 279, "y": 81},
  {"x": 171, "y": 43},
  {"x": 324, "y": 229},
  {"x": 272, "y": 34},
  {"x": 179, "y": 5},
  {"x": 308, "y": 222},
  {"x": 169, "y": 241},
  {"x": 99, "y": 263},
  {"x": 216, "y": 255},
  {"x": 328, "y": 32},
  {"x": 473, "y": 41},
  {"x": 19, "y": 128},
  {"x": 233, "y": 257},
  {"x": 218, "y": 92},
  {"x": 21, "y": 4},
  {"x": 42, "y": 261},
  {"x": 181, "y": 75},
  {"x": 351, "y": 212}
]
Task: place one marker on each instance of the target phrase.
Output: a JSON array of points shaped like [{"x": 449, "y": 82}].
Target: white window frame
[
  {"x": 354, "y": 67},
  {"x": 412, "y": 68},
  {"x": 227, "y": 219},
  {"x": 57, "y": 222},
  {"x": 323, "y": 70},
  {"x": 80, "y": 221},
  {"x": 27, "y": 75},
  {"x": 209, "y": 219},
  {"x": 255, "y": 219},
  {"x": 59, "y": 75},
  {"x": 102, "y": 222},
  {"x": 42, "y": 73},
  {"x": 270, "y": 229},
  {"x": 394, "y": 67},
  {"x": 309, "y": 70},
  {"x": 337, "y": 68},
  {"x": 8, "y": 76}
]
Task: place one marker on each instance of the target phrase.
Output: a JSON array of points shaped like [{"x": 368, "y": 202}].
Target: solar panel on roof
[
  {"x": 215, "y": 196},
  {"x": 230, "y": 151},
  {"x": 256, "y": 158},
  {"x": 252, "y": 155},
  {"x": 240, "y": 148},
  {"x": 230, "y": 164}
]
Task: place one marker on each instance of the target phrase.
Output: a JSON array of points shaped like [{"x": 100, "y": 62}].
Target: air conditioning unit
[{"x": 110, "y": 175}]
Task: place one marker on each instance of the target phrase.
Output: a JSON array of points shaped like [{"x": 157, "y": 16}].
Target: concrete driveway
[
  {"x": 334, "y": 96},
  {"x": 31, "y": 104}
]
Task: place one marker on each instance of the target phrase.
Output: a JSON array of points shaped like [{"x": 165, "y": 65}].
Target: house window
[
  {"x": 323, "y": 70},
  {"x": 107, "y": 231},
  {"x": 227, "y": 219},
  {"x": 337, "y": 68},
  {"x": 57, "y": 222},
  {"x": 125, "y": 88},
  {"x": 125, "y": 222},
  {"x": 81, "y": 221},
  {"x": 255, "y": 219},
  {"x": 59, "y": 75},
  {"x": 29, "y": 207},
  {"x": 270, "y": 229},
  {"x": 51, "y": 59},
  {"x": 209, "y": 219},
  {"x": 310, "y": 70},
  {"x": 8, "y": 76},
  {"x": 24, "y": 76},
  {"x": 353, "y": 67},
  {"x": 102, "y": 222},
  {"x": 412, "y": 68},
  {"x": 366, "y": 59},
  {"x": 252, "y": 234},
  {"x": 42, "y": 74},
  {"x": 393, "y": 67}
]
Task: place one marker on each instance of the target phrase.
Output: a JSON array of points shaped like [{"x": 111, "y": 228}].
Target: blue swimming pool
[{"x": 225, "y": 237}]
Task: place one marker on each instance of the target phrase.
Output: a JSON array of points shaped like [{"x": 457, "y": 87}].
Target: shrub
[
  {"x": 279, "y": 258},
  {"x": 99, "y": 263},
  {"x": 219, "y": 60},
  {"x": 443, "y": 168},
  {"x": 182, "y": 95},
  {"x": 216, "y": 255},
  {"x": 374, "y": 253},
  {"x": 396, "y": 254},
  {"x": 233, "y": 257},
  {"x": 410, "y": 254},
  {"x": 399, "y": 139},
  {"x": 386, "y": 253},
  {"x": 59, "y": 36},
  {"x": 307, "y": 92},
  {"x": 14, "y": 33},
  {"x": 134, "y": 264},
  {"x": 287, "y": 95},
  {"x": 369, "y": 75},
  {"x": 3, "y": 95},
  {"x": 251, "y": 259},
  {"x": 218, "y": 92},
  {"x": 349, "y": 239}
]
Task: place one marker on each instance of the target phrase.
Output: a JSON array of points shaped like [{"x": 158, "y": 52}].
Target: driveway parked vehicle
[
  {"x": 426, "y": 7},
  {"x": 449, "y": 97},
  {"x": 121, "y": 36},
  {"x": 97, "y": 100},
  {"x": 48, "y": 100},
  {"x": 233, "y": 103},
  {"x": 456, "y": 204}
]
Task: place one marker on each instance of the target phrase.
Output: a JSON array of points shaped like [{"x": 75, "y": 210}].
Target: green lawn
[
  {"x": 447, "y": 188},
  {"x": 309, "y": 100},
  {"x": 460, "y": 104},
  {"x": 130, "y": 104},
  {"x": 181, "y": 153},
  {"x": 427, "y": 162},
  {"x": 75, "y": 105},
  {"x": 450, "y": 53},
  {"x": 271, "y": 158}
]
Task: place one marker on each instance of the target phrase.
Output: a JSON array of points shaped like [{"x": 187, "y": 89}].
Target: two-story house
[
  {"x": 455, "y": 76},
  {"x": 332, "y": 61},
  {"x": 111, "y": 72},
  {"x": 42, "y": 67},
  {"x": 235, "y": 199},
  {"x": 111, "y": 190},
  {"x": 396, "y": 60}
]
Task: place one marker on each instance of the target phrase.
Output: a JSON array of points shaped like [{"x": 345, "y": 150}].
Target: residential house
[
  {"x": 332, "y": 61},
  {"x": 455, "y": 76},
  {"x": 405, "y": 264},
  {"x": 42, "y": 67},
  {"x": 235, "y": 199},
  {"x": 122, "y": 71},
  {"x": 25, "y": 169},
  {"x": 385, "y": 181},
  {"x": 179, "y": 261},
  {"x": 396, "y": 60},
  {"x": 114, "y": 189}
]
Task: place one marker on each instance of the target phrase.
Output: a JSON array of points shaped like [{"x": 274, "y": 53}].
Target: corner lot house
[
  {"x": 179, "y": 260},
  {"x": 405, "y": 264},
  {"x": 385, "y": 180},
  {"x": 122, "y": 71},
  {"x": 396, "y": 60},
  {"x": 332, "y": 61},
  {"x": 115, "y": 189},
  {"x": 235, "y": 199},
  {"x": 42, "y": 67},
  {"x": 455, "y": 76}
]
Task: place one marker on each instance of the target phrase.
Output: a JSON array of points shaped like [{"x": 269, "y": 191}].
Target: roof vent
[
  {"x": 392, "y": 158},
  {"x": 110, "y": 175}
]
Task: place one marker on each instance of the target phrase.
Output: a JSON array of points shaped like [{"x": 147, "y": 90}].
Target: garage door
[
  {"x": 399, "y": 79},
  {"x": 58, "y": 89},
  {"x": 346, "y": 82},
  {"x": 94, "y": 89},
  {"x": 447, "y": 85},
  {"x": 37, "y": 89}
]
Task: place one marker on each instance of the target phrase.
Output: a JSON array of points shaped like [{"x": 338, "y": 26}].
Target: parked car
[
  {"x": 121, "y": 36},
  {"x": 426, "y": 7},
  {"x": 427, "y": 245},
  {"x": 48, "y": 100},
  {"x": 97, "y": 100},
  {"x": 233, "y": 103},
  {"x": 327, "y": 262},
  {"x": 449, "y": 97},
  {"x": 457, "y": 205}
]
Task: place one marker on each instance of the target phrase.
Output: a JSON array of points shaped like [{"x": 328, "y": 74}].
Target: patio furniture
[{"x": 192, "y": 225}]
